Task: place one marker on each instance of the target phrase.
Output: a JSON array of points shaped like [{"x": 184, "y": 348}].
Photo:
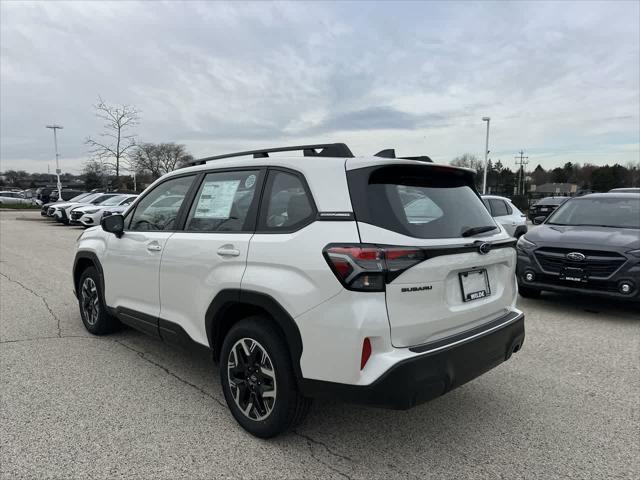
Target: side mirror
[
  {"x": 539, "y": 220},
  {"x": 113, "y": 224}
]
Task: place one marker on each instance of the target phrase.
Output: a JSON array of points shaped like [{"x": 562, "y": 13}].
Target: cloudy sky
[{"x": 560, "y": 80}]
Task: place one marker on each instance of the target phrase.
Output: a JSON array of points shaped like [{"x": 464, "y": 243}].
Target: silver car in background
[{"x": 506, "y": 214}]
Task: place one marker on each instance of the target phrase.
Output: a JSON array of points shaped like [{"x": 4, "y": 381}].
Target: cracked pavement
[{"x": 127, "y": 406}]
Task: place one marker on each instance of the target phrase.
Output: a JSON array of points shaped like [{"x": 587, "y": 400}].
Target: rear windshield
[
  {"x": 418, "y": 201},
  {"x": 600, "y": 212}
]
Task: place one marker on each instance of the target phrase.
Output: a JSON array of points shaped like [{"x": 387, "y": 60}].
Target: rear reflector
[
  {"x": 368, "y": 268},
  {"x": 366, "y": 352}
]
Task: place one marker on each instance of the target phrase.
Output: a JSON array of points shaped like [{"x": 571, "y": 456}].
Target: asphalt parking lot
[{"x": 128, "y": 406}]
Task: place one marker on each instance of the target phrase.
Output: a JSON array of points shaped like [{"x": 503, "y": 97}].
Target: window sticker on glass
[
  {"x": 250, "y": 181},
  {"x": 216, "y": 199}
]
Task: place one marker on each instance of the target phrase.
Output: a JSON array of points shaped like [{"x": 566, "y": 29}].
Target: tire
[
  {"x": 265, "y": 418},
  {"x": 528, "y": 292},
  {"x": 93, "y": 311}
]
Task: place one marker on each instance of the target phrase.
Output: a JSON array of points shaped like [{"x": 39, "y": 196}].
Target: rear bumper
[{"x": 434, "y": 373}]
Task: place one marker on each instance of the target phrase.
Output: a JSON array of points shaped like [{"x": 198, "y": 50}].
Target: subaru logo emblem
[
  {"x": 484, "y": 248},
  {"x": 576, "y": 256}
]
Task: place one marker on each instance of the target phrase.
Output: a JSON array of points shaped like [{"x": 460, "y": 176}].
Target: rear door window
[
  {"x": 418, "y": 201},
  {"x": 498, "y": 207}
]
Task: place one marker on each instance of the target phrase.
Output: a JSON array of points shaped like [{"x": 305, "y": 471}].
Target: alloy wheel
[
  {"x": 90, "y": 301},
  {"x": 252, "y": 379}
]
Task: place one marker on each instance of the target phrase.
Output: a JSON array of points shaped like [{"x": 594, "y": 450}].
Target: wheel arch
[
  {"x": 81, "y": 262},
  {"x": 232, "y": 305}
]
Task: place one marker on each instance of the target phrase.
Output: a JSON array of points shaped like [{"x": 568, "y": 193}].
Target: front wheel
[
  {"x": 258, "y": 380},
  {"x": 93, "y": 311}
]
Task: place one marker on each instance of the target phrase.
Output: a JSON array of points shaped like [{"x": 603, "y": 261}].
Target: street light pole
[
  {"x": 486, "y": 156},
  {"x": 55, "y": 127}
]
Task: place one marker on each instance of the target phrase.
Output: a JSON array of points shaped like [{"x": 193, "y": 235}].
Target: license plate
[
  {"x": 544, "y": 209},
  {"x": 474, "y": 285},
  {"x": 572, "y": 274}
]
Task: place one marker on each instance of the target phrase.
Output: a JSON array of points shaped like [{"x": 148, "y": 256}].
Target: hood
[
  {"x": 75, "y": 205},
  {"x": 60, "y": 204},
  {"x": 595, "y": 238}
]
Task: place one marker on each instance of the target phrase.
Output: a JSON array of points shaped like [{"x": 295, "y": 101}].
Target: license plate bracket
[
  {"x": 474, "y": 284},
  {"x": 573, "y": 274}
]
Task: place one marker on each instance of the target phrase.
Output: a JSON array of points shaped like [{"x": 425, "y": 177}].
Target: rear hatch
[{"x": 450, "y": 268}]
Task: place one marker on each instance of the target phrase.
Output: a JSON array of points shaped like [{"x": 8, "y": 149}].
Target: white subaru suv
[{"x": 377, "y": 280}]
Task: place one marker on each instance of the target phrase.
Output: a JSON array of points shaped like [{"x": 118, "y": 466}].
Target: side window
[
  {"x": 498, "y": 207},
  {"x": 486, "y": 204},
  {"x": 127, "y": 201},
  {"x": 509, "y": 209},
  {"x": 224, "y": 202},
  {"x": 158, "y": 210},
  {"x": 286, "y": 204}
]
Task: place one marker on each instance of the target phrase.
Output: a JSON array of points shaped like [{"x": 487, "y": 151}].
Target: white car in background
[
  {"x": 62, "y": 211},
  {"x": 90, "y": 215},
  {"x": 120, "y": 210},
  {"x": 13, "y": 198},
  {"x": 506, "y": 214}
]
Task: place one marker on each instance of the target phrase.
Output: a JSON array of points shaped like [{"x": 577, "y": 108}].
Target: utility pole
[
  {"x": 522, "y": 161},
  {"x": 55, "y": 127},
  {"x": 486, "y": 156}
]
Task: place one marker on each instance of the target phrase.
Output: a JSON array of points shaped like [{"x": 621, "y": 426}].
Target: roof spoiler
[
  {"x": 319, "y": 150},
  {"x": 391, "y": 153}
]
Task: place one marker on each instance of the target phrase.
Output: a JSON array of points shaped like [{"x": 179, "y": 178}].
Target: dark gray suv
[{"x": 589, "y": 245}]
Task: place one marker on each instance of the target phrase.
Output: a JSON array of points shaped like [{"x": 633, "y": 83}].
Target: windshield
[
  {"x": 601, "y": 212},
  {"x": 79, "y": 197},
  {"x": 418, "y": 201},
  {"x": 101, "y": 198},
  {"x": 113, "y": 200}
]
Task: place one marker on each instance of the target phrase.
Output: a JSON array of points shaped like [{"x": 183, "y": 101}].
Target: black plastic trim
[
  {"x": 228, "y": 298},
  {"x": 142, "y": 322},
  {"x": 174, "y": 334},
  {"x": 326, "y": 150},
  {"x": 87, "y": 255}
]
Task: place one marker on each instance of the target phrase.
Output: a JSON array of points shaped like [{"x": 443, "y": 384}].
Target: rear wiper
[{"x": 476, "y": 230}]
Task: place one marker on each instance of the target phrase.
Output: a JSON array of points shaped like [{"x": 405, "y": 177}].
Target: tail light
[{"x": 368, "y": 268}]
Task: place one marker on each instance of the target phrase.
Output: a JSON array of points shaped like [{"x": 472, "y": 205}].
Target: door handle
[
  {"x": 154, "y": 247},
  {"x": 228, "y": 251}
]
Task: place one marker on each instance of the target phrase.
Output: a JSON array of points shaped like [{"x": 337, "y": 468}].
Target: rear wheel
[
  {"x": 258, "y": 381},
  {"x": 93, "y": 311},
  {"x": 528, "y": 292}
]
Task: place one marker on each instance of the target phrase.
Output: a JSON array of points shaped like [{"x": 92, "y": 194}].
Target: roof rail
[
  {"x": 391, "y": 153},
  {"x": 326, "y": 150}
]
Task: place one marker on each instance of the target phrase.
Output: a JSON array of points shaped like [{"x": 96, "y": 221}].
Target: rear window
[{"x": 418, "y": 201}]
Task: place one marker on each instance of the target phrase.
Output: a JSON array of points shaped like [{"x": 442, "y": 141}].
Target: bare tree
[
  {"x": 159, "y": 158},
  {"x": 469, "y": 161},
  {"x": 116, "y": 141}
]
